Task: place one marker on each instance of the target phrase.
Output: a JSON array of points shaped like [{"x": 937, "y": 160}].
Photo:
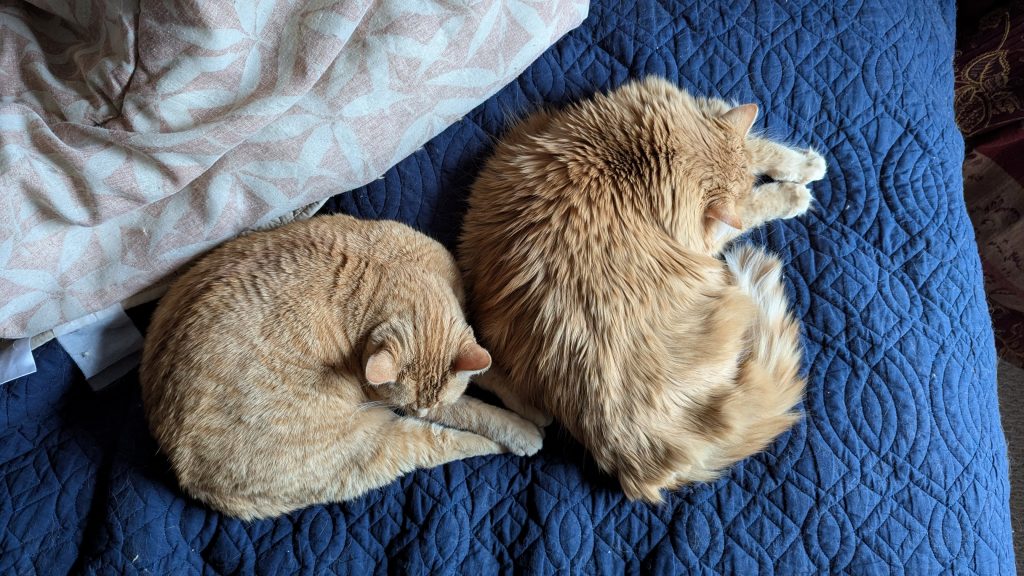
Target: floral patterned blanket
[{"x": 136, "y": 135}]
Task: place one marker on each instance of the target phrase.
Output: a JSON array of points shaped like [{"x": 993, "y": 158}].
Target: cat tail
[{"x": 769, "y": 385}]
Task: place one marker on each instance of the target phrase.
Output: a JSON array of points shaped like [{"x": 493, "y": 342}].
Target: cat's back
[
  {"x": 563, "y": 229},
  {"x": 582, "y": 290},
  {"x": 311, "y": 250},
  {"x": 572, "y": 197},
  {"x": 300, "y": 266},
  {"x": 286, "y": 305}
]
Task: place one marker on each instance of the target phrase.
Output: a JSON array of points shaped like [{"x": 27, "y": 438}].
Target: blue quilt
[{"x": 899, "y": 467}]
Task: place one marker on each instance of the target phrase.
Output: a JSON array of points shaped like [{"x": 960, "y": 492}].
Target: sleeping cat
[
  {"x": 591, "y": 258},
  {"x": 271, "y": 368}
]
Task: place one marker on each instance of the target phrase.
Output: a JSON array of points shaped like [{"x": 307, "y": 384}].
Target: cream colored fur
[
  {"x": 274, "y": 367},
  {"x": 592, "y": 256}
]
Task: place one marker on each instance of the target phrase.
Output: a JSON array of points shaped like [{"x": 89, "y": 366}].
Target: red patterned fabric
[{"x": 990, "y": 111}]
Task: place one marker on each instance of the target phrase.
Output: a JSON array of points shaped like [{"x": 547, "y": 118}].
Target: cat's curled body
[
  {"x": 591, "y": 254},
  {"x": 272, "y": 365}
]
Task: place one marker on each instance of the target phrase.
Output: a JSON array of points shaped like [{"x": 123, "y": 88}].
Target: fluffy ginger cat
[
  {"x": 591, "y": 258},
  {"x": 271, "y": 368}
]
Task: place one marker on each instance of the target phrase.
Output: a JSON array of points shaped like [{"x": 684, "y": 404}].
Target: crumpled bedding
[
  {"x": 899, "y": 467},
  {"x": 136, "y": 135}
]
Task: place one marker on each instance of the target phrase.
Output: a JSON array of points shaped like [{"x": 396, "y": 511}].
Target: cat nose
[{"x": 421, "y": 412}]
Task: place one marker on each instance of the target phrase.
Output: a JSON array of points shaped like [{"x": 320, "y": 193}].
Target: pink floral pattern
[{"x": 134, "y": 136}]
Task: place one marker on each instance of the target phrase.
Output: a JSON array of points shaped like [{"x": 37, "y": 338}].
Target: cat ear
[
  {"x": 725, "y": 213},
  {"x": 742, "y": 117},
  {"x": 472, "y": 358},
  {"x": 381, "y": 368}
]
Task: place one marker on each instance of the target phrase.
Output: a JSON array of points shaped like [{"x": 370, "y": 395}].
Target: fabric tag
[
  {"x": 105, "y": 344},
  {"x": 16, "y": 359}
]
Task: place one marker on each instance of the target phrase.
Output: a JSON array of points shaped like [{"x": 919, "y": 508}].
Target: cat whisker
[{"x": 364, "y": 406}]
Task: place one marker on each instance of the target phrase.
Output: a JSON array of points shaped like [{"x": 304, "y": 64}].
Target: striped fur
[{"x": 271, "y": 368}]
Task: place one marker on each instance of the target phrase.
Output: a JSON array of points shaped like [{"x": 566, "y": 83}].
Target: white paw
[
  {"x": 800, "y": 167},
  {"x": 520, "y": 437},
  {"x": 797, "y": 198},
  {"x": 813, "y": 167}
]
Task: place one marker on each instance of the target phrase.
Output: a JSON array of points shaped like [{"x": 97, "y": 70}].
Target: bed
[{"x": 899, "y": 466}]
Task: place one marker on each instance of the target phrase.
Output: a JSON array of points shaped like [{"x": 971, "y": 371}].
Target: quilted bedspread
[{"x": 898, "y": 468}]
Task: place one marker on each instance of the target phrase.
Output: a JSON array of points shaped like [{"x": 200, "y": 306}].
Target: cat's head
[
  {"x": 709, "y": 173},
  {"x": 651, "y": 143},
  {"x": 414, "y": 364},
  {"x": 724, "y": 174}
]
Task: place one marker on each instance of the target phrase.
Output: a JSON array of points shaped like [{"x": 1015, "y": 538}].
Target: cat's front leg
[
  {"x": 766, "y": 202},
  {"x": 773, "y": 201},
  {"x": 785, "y": 164},
  {"x": 394, "y": 446},
  {"x": 520, "y": 436},
  {"x": 411, "y": 443},
  {"x": 495, "y": 382}
]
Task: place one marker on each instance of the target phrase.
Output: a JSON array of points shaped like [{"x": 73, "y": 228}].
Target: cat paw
[
  {"x": 800, "y": 167},
  {"x": 796, "y": 199},
  {"x": 800, "y": 200},
  {"x": 520, "y": 436},
  {"x": 778, "y": 200},
  {"x": 813, "y": 168}
]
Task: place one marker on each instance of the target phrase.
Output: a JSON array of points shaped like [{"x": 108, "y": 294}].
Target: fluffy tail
[
  {"x": 768, "y": 386},
  {"x": 753, "y": 408}
]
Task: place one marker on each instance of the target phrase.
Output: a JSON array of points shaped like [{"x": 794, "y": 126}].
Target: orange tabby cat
[
  {"x": 271, "y": 367},
  {"x": 591, "y": 255}
]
